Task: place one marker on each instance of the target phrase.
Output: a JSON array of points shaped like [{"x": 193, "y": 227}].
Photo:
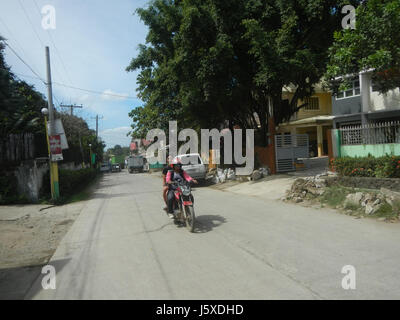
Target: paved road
[{"x": 123, "y": 246}]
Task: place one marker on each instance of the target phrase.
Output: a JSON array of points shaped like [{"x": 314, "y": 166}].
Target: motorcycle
[{"x": 184, "y": 202}]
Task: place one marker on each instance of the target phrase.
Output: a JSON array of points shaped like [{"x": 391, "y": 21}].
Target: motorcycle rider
[
  {"x": 165, "y": 170},
  {"x": 175, "y": 175}
]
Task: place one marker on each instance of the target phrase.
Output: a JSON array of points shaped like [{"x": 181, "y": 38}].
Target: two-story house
[
  {"x": 314, "y": 119},
  {"x": 363, "y": 104}
]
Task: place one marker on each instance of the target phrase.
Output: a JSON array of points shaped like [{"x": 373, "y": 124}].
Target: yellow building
[{"x": 315, "y": 119}]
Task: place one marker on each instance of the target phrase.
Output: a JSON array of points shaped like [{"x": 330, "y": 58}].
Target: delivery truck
[{"x": 135, "y": 163}]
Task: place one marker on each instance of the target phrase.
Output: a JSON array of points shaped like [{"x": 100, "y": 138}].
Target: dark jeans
[{"x": 170, "y": 200}]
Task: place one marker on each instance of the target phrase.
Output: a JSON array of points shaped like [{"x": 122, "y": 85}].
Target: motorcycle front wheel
[{"x": 190, "y": 218}]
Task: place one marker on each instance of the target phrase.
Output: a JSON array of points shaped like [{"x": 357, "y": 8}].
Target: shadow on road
[
  {"x": 15, "y": 283},
  {"x": 206, "y": 223},
  {"x": 102, "y": 195}
]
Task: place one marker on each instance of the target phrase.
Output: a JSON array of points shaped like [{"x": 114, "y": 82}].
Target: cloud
[
  {"x": 83, "y": 98},
  {"x": 116, "y": 136},
  {"x": 111, "y": 95}
]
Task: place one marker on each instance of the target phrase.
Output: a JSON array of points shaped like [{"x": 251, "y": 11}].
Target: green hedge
[
  {"x": 8, "y": 190},
  {"x": 382, "y": 167},
  {"x": 71, "y": 181}
]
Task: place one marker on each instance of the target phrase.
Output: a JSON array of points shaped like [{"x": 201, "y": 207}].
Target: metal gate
[{"x": 289, "y": 147}]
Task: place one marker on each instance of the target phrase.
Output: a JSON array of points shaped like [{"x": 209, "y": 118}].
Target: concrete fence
[
  {"x": 376, "y": 140},
  {"x": 29, "y": 175}
]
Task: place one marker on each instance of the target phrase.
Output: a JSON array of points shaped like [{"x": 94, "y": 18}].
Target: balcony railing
[{"x": 375, "y": 133}]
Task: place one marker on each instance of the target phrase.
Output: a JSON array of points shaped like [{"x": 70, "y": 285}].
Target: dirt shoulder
[{"x": 29, "y": 236}]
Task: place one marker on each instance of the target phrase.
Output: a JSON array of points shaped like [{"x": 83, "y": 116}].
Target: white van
[{"x": 193, "y": 165}]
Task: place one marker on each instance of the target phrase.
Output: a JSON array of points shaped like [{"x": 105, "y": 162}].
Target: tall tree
[
  {"x": 79, "y": 136},
  {"x": 373, "y": 44},
  {"x": 207, "y": 61},
  {"x": 20, "y": 106},
  {"x": 20, "y": 102}
]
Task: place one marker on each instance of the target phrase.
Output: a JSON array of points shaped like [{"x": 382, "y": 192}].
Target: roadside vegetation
[
  {"x": 20, "y": 113},
  {"x": 206, "y": 62},
  {"x": 8, "y": 190},
  {"x": 336, "y": 197},
  {"x": 359, "y": 202},
  {"x": 74, "y": 185},
  {"x": 382, "y": 167}
]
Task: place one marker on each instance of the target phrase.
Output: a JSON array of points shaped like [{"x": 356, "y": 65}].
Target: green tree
[
  {"x": 207, "y": 61},
  {"x": 21, "y": 105},
  {"x": 20, "y": 112},
  {"x": 79, "y": 136},
  {"x": 373, "y": 44}
]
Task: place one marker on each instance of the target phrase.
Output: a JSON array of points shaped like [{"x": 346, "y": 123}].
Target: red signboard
[
  {"x": 55, "y": 148},
  {"x": 133, "y": 146}
]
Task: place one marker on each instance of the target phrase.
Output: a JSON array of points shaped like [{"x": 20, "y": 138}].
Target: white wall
[
  {"x": 388, "y": 101},
  {"x": 30, "y": 178}
]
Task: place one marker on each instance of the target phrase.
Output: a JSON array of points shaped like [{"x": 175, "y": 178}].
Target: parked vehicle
[
  {"x": 184, "y": 201},
  {"x": 135, "y": 163},
  {"x": 116, "y": 167},
  {"x": 193, "y": 165},
  {"x": 118, "y": 160},
  {"x": 105, "y": 167}
]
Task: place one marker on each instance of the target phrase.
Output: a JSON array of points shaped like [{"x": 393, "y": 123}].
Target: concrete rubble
[
  {"x": 309, "y": 188},
  {"x": 221, "y": 176}
]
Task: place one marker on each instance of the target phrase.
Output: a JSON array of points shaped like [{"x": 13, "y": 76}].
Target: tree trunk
[{"x": 264, "y": 127}]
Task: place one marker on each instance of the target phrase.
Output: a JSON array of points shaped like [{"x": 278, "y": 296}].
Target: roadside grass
[
  {"x": 334, "y": 196},
  {"x": 386, "y": 211},
  {"x": 82, "y": 195},
  {"x": 352, "y": 206}
]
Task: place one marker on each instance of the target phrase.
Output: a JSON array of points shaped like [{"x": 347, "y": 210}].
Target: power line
[
  {"x": 30, "y": 22},
  {"x": 82, "y": 89},
  {"x": 37, "y": 35},
  {"x": 96, "y": 92},
  {"x": 32, "y": 77},
  {"x": 19, "y": 45},
  {"x": 55, "y": 47},
  {"x": 22, "y": 60},
  {"x": 13, "y": 38},
  {"x": 71, "y": 107}
]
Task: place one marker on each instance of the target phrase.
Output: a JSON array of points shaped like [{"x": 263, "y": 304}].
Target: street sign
[
  {"x": 55, "y": 148},
  {"x": 59, "y": 130}
]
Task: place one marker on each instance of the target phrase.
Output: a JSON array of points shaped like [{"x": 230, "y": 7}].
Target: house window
[
  {"x": 354, "y": 90},
  {"x": 312, "y": 103}
]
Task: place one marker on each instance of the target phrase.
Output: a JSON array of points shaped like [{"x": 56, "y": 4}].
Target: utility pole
[
  {"x": 55, "y": 189},
  {"x": 71, "y": 107},
  {"x": 97, "y": 125}
]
